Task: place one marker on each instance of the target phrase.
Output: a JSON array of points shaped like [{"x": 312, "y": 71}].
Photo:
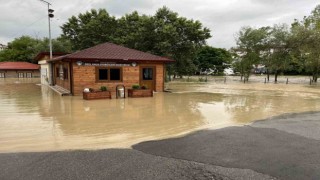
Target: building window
[
  {"x": 108, "y": 74},
  {"x": 65, "y": 73},
  {"x": 147, "y": 74},
  {"x": 20, "y": 75},
  {"x": 61, "y": 72},
  {"x": 115, "y": 74},
  {"x": 29, "y": 75},
  {"x": 103, "y": 74},
  {"x": 2, "y": 75}
]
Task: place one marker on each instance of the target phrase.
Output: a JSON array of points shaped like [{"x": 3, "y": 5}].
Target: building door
[
  {"x": 62, "y": 75},
  {"x": 147, "y": 77}
]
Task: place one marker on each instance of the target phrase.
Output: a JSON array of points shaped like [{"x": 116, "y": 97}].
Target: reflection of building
[
  {"x": 108, "y": 65},
  {"x": 18, "y": 70},
  {"x": 45, "y": 71}
]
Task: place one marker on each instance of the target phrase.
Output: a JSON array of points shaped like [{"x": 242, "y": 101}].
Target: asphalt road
[{"x": 285, "y": 147}]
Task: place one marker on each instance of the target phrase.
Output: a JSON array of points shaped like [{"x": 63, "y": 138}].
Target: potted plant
[
  {"x": 103, "y": 93},
  {"x": 140, "y": 91}
]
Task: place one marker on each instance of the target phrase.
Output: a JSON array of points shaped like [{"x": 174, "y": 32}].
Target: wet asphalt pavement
[{"x": 284, "y": 147}]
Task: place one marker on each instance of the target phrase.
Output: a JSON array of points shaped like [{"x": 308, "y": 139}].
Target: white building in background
[
  {"x": 45, "y": 70},
  {"x": 2, "y": 47}
]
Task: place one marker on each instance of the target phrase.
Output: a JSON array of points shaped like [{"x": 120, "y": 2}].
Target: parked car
[{"x": 228, "y": 71}]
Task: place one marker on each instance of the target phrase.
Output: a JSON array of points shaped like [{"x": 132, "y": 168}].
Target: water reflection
[{"x": 34, "y": 118}]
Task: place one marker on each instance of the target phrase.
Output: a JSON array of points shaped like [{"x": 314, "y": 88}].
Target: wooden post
[
  {"x": 287, "y": 80},
  {"x": 265, "y": 80}
]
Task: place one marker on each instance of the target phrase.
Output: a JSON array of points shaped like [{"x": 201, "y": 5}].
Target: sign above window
[{"x": 105, "y": 64}]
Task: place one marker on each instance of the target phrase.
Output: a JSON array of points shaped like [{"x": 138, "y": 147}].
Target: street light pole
[
  {"x": 50, "y": 42},
  {"x": 50, "y": 15}
]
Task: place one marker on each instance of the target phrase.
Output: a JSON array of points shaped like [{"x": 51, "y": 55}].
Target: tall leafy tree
[
  {"x": 164, "y": 34},
  {"x": 250, "y": 44},
  {"x": 20, "y": 49},
  {"x": 25, "y": 48},
  {"x": 278, "y": 48},
  {"x": 136, "y": 31},
  {"x": 178, "y": 38},
  {"x": 306, "y": 35},
  {"x": 214, "y": 58},
  {"x": 89, "y": 29}
]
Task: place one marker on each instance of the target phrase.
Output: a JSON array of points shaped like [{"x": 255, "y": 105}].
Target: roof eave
[{"x": 107, "y": 59}]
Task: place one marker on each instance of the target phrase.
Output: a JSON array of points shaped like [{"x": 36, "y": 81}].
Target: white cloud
[{"x": 224, "y": 18}]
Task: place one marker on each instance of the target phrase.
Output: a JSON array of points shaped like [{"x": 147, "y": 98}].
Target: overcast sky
[{"x": 223, "y": 17}]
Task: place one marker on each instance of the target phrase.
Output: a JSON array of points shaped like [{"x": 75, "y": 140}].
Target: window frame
[
  {"x": 27, "y": 75},
  {"x": 108, "y": 68},
  {"x": 20, "y": 74}
]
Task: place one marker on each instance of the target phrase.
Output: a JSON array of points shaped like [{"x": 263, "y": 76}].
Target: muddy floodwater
[{"x": 35, "y": 118}]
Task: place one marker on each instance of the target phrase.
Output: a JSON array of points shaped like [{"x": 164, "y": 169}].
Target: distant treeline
[{"x": 282, "y": 49}]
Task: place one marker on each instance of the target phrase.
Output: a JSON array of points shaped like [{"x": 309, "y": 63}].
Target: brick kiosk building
[{"x": 108, "y": 65}]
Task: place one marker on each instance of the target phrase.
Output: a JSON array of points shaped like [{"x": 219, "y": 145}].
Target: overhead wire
[{"x": 44, "y": 17}]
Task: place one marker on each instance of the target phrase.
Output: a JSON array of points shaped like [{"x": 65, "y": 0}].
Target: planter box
[
  {"x": 97, "y": 95},
  {"x": 140, "y": 93}
]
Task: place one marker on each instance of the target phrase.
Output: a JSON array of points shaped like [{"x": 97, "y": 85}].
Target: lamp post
[{"x": 50, "y": 15}]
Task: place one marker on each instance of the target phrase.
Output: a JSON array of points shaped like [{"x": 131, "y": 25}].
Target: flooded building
[
  {"x": 108, "y": 65},
  {"x": 19, "y": 70},
  {"x": 45, "y": 70}
]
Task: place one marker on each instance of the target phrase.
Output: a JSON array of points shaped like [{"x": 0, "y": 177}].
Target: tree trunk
[
  {"x": 276, "y": 77},
  {"x": 315, "y": 78},
  {"x": 268, "y": 75}
]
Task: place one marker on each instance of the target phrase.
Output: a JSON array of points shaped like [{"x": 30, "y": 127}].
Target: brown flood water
[{"x": 34, "y": 118}]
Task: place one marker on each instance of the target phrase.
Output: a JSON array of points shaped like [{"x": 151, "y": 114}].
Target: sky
[{"x": 223, "y": 17}]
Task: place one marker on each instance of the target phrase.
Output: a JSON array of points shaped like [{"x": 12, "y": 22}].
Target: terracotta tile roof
[
  {"x": 18, "y": 65},
  {"x": 109, "y": 51}
]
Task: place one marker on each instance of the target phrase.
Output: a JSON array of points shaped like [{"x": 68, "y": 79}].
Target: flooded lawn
[{"x": 34, "y": 118}]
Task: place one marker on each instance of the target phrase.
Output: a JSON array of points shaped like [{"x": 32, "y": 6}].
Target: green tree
[
  {"x": 20, "y": 49},
  {"x": 25, "y": 48},
  {"x": 250, "y": 44},
  {"x": 89, "y": 29},
  {"x": 164, "y": 34},
  {"x": 277, "y": 50},
  {"x": 214, "y": 58},
  {"x": 306, "y": 35},
  {"x": 178, "y": 38},
  {"x": 58, "y": 45}
]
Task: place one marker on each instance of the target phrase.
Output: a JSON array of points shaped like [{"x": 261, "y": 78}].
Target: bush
[
  {"x": 103, "y": 88},
  {"x": 144, "y": 87},
  {"x": 136, "y": 86}
]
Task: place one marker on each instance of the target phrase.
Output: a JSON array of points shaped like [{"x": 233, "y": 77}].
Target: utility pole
[{"x": 50, "y": 15}]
